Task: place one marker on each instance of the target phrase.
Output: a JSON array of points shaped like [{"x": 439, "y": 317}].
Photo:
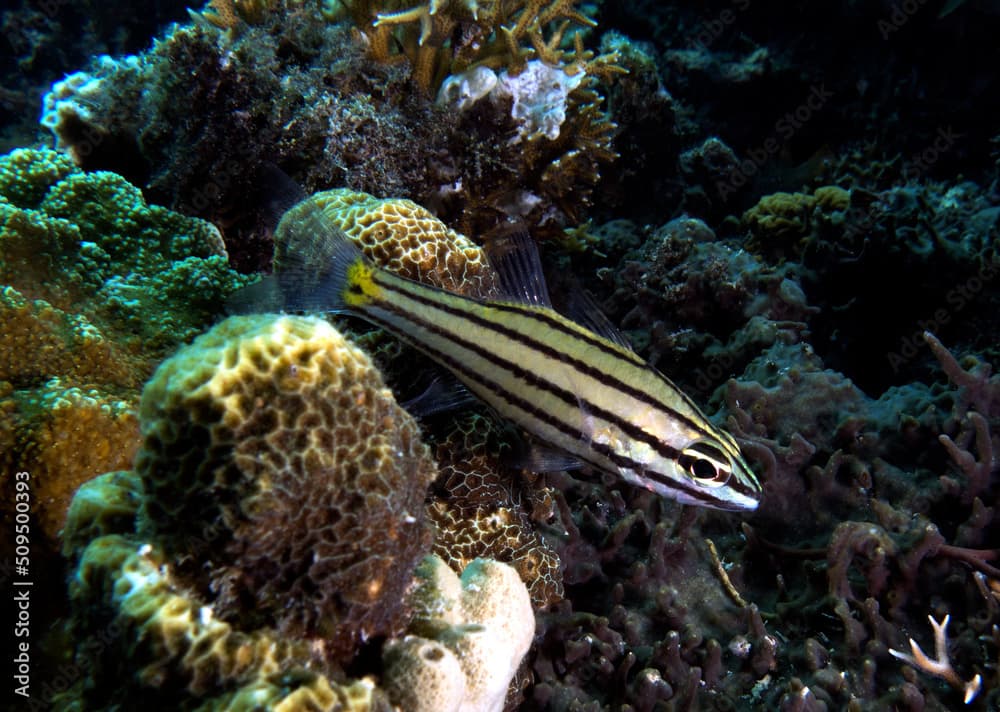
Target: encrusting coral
[{"x": 281, "y": 436}]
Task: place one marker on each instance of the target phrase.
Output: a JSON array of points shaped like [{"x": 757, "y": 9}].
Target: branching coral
[
  {"x": 466, "y": 51},
  {"x": 229, "y": 14},
  {"x": 442, "y": 38},
  {"x": 940, "y": 665}
]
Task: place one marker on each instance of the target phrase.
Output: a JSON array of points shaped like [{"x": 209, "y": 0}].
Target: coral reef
[
  {"x": 481, "y": 509},
  {"x": 140, "y": 625},
  {"x": 838, "y": 572},
  {"x": 132, "y": 613},
  {"x": 442, "y": 39},
  {"x": 281, "y": 436},
  {"x": 478, "y": 626},
  {"x": 699, "y": 306},
  {"x": 293, "y": 86},
  {"x": 801, "y": 232},
  {"x": 89, "y": 244},
  {"x": 96, "y": 286},
  {"x": 397, "y": 234},
  {"x": 64, "y": 436}
]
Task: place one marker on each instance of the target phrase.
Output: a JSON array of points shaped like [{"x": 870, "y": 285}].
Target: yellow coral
[
  {"x": 279, "y": 436},
  {"x": 38, "y": 340},
  {"x": 229, "y": 14},
  {"x": 792, "y": 221},
  {"x": 493, "y": 33},
  {"x": 780, "y": 216},
  {"x": 176, "y": 642},
  {"x": 153, "y": 633},
  {"x": 831, "y": 198},
  {"x": 64, "y": 436},
  {"x": 396, "y": 234},
  {"x": 480, "y": 513}
]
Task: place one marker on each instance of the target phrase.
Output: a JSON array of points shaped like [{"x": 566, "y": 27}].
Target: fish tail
[{"x": 327, "y": 271}]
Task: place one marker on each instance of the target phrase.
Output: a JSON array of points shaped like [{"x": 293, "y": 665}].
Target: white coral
[
  {"x": 469, "y": 636},
  {"x": 539, "y": 93}
]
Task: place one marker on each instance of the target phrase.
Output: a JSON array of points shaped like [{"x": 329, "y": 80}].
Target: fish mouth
[{"x": 739, "y": 503}]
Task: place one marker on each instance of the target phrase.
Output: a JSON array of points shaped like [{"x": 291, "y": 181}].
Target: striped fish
[{"x": 563, "y": 383}]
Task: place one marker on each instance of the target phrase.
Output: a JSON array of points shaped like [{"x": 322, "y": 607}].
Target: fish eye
[{"x": 706, "y": 464}]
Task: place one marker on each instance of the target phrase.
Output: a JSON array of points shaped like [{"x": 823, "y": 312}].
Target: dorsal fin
[
  {"x": 309, "y": 277},
  {"x": 514, "y": 256},
  {"x": 277, "y": 193},
  {"x": 585, "y": 311}
]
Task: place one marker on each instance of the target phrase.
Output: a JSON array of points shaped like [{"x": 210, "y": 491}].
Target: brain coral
[
  {"x": 481, "y": 510},
  {"x": 397, "y": 234},
  {"x": 273, "y": 448},
  {"x": 141, "y": 631},
  {"x": 162, "y": 637}
]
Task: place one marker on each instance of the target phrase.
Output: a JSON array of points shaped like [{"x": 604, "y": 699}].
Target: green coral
[
  {"x": 96, "y": 286},
  {"x": 27, "y": 174},
  {"x": 89, "y": 242}
]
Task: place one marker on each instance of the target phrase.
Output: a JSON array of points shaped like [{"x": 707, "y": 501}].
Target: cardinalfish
[{"x": 578, "y": 391}]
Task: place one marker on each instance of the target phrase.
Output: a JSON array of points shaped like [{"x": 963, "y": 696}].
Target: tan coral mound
[
  {"x": 63, "y": 436},
  {"x": 468, "y": 636},
  {"x": 169, "y": 635},
  {"x": 41, "y": 340},
  {"x": 274, "y": 451},
  {"x": 484, "y": 510},
  {"x": 73, "y": 435},
  {"x": 396, "y": 234}
]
